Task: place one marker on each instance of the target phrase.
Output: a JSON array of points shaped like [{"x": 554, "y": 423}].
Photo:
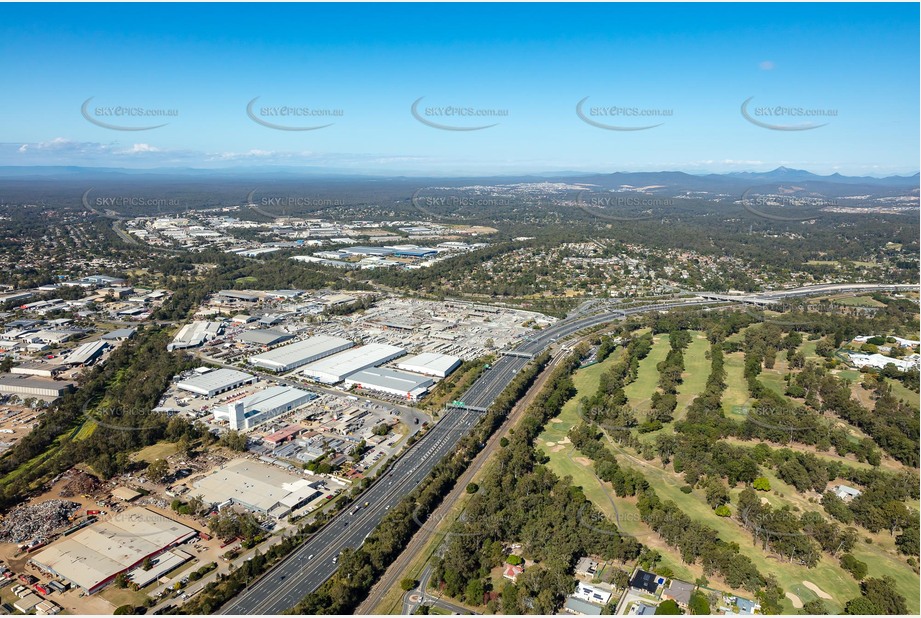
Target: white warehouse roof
[
  {"x": 215, "y": 381},
  {"x": 294, "y": 355},
  {"x": 431, "y": 364},
  {"x": 336, "y": 367},
  {"x": 97, "y": 553},
  {"x": 390, "y": 381}
]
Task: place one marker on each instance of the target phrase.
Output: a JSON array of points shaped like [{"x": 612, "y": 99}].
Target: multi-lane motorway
[
  {"x": 313, "y": 562},
  {"x": 310, "y": 565}
]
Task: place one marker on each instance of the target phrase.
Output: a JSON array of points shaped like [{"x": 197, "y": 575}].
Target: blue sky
[{"x": 691, "y": 66}]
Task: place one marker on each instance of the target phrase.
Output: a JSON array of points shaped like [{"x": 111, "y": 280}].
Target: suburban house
[
  {"x": 592, "y": 594},
  {"x": 586, "y": 567},
  {"x": 679, "y": 592},
  {"x": 646, "y": 581},
  {"x": 512, "y": 571}
]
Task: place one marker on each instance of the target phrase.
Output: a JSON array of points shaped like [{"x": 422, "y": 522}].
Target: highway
[{"x": 310, "y": 565}]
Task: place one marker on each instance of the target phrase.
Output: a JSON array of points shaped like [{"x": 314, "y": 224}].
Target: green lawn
[
  {"x": 566, "y": 462},
  {"x": 736, "y": 393},
  {"x": 900, "y": 391},
  {"x": 827, "y": 575},
  {"x": 857, "y": 301},
  {"x": 696, "y": 372},
  {"x": 640, "y": 390}
]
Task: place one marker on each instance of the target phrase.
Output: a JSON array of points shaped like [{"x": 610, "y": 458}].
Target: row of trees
[{"x": 521, "y": 501}]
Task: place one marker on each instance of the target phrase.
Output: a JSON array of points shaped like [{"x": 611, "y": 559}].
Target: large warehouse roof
[
  {"x": 389, "y": 381},
  {"x": 273, "y": 398},
  {"x": 336, "y": 367},
  {"x": 255, "y": 485},
  {"x": 215, "y": 381},
  {"x": 430, "y": 363},
  {"x": 85, "y": 353},
  {"x": 264, "y": 336},
  {"x": 101, "y": 551},
  {"x": 300, "y": 353}
]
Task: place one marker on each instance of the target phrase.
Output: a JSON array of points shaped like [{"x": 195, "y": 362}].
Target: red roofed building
[
  {"x": 283, "y": 435},
  {"x": 512, "y": 571}
]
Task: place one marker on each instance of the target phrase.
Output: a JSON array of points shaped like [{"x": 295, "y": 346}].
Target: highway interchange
[{"x": 305, "y": 570}]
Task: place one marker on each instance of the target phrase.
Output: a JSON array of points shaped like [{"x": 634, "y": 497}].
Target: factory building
[
  {"x": 430, "y": 364},
  {"x": 195, "y": 334},
  {"x": 215, "y": 382},
  {"x": 92, "y": 558},
  {"x": 42, "y": 370},
  {"x": 263, "y": 406},
  {"x": 257, "y": 487},
  {"x": 294, "y": 355},
  {"x": 86, "y": 353},
  {"x": 264, "y": 336},
  {"x": 334, "y": 369},
  {"x": 390, "y": 381},
  {"x": 27, "y": 386}
]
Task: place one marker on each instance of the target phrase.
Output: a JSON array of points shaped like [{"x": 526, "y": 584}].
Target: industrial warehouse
[
  {"x": 263, "y": 406},
  {"x": 264, "y": 336},
  {"x": 28, "y": 386},
  {"x": 295, "y": 355},
  {"x": 334, "y": 369},
  {"x": 94, "y": 556},
  {"x": 258, "y": 487},
  {"x": 215, "y": 382},
  {"x": 195, "y": 334},
  {"x": 86, "y": 353},
  {"x": 430, "y": 364},
  {"x": 390, "y": 381}
]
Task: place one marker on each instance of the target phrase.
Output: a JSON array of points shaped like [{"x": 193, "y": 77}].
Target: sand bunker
[
  {"x": 584, "y": 461},
  {"x": 550, "y": 443},
  {"x": 797, "y": 602},
  {"x": 821, "y": 593},
  {"x": 556, "y": 420},
  {"x": 557, "y": 448}
]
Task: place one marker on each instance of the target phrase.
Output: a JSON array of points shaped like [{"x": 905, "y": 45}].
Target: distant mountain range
[{"x": 782, "y": 180}]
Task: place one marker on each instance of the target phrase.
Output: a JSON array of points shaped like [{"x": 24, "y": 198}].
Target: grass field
[
  {"x": 827, "y": 575},
  {"x": 696, "y": 372},
  {"x": 160, "y": 450},
  {"x": 736, "y": 393},
  {"x": 565, "y": 462},
  {"x": 640, "y": 390},
  {"x": 86, "y": 430},
  {"x": 774, "y": 378},
  {"x": 857, "y": 301},
  {"x": 900, "y": 391}
]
